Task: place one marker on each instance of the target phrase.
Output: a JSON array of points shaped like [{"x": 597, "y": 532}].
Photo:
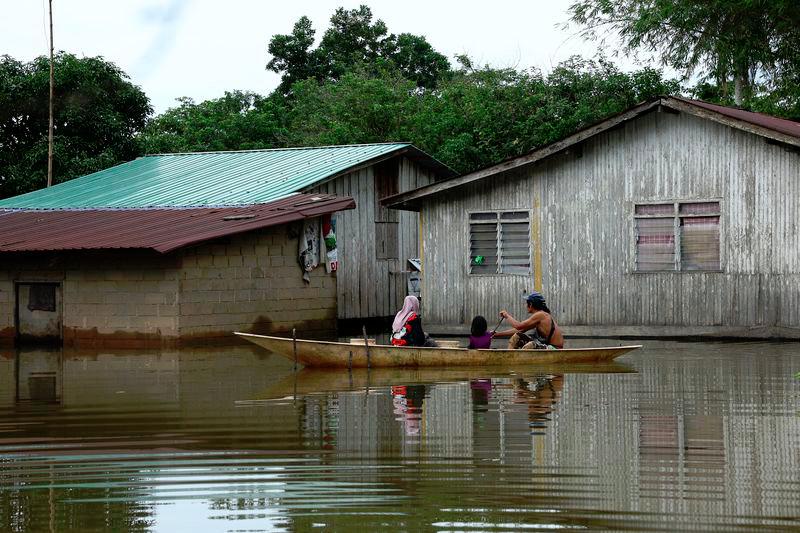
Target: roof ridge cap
[{"x": 287, "y": 148}]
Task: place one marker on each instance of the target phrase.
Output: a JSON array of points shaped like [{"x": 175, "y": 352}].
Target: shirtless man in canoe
[{"x": 545, "y": 333}]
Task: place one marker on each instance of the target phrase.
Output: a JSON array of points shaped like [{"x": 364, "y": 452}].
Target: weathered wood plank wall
[
  {"x": 582, "y": 206},
  {"x": 369, "y": 287}
]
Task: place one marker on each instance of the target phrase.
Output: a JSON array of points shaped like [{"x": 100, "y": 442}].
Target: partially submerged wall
[
  {"x": 117, "y": 298},
  {"x": 253, "y": 283},
  {"x": 131, "y": 302},
  {"x": 7, "y": 331}
]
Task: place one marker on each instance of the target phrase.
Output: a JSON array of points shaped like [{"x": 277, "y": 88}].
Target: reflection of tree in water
[{"x": 62, "y": 510}]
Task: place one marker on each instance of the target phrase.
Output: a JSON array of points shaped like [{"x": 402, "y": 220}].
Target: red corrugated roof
[
  {"x": 781, "y": 125},
  {"x": 162, "y": 230}
]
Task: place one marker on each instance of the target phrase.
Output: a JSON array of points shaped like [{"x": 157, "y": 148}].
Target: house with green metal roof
[
  {"x": 217, "y": 179},
  {"x": 223, "y": 227}
]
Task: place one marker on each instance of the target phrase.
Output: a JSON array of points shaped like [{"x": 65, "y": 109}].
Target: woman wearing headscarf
[{"x": 407, "y": 326}]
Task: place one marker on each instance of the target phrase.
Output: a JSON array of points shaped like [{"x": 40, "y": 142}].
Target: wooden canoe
[{"x": 323, "y": 354}]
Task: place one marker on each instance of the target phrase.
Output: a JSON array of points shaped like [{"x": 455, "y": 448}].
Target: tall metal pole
[{"x": 50, "y": 129}]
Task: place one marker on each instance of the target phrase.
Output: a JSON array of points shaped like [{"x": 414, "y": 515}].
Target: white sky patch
[{"x": 201, "y": 48}]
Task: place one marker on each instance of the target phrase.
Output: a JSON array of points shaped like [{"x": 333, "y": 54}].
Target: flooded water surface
[{"x": 678, "y": 436}]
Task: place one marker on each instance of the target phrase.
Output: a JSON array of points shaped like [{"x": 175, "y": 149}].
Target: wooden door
[
  {"x": 387, "y": 237},
  {"x": 38, "y": 312}
]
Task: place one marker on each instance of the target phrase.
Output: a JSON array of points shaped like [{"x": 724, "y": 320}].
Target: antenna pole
[{"x": 50, "y": 129}]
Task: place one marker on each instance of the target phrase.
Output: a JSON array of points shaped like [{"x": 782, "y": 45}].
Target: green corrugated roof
[{"x": 203, "y": 179}]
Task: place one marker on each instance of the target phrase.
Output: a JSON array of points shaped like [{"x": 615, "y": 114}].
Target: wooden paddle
[{"x": 498, "y": 325}]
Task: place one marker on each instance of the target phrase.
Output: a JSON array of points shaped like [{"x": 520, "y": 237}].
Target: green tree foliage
[
  {"x": 97, "y": 112},
  {"x": 476, "y": 118},
  {"x": 353, "y": 42},
  {"x": 485, "y": 116},
  {"x": 359, "y": 108},
  {"x": 746, "y": 41},
  {"x": 237, "y": 121}
]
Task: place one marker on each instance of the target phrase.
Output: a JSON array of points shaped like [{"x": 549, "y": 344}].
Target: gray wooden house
[{"x": 675, "y": 217}]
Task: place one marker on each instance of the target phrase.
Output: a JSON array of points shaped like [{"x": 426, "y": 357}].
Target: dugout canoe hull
[{"x": 323, "y": 354}]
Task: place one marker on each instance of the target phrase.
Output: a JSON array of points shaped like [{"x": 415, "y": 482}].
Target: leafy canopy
[
  {"x": 237, "y": 121},
  {"x": 477, "y": 117},
  {"x": 97, "y": 113},
  {"x": 353, "y": 41},
  {"x": 747, "y": 41}
]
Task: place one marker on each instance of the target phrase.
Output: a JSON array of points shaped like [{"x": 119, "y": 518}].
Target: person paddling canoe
[{"x": 545, "y": 335}]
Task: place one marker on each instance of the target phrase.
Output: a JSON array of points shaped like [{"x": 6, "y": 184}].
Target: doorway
[{"x": 38, "y": 313}]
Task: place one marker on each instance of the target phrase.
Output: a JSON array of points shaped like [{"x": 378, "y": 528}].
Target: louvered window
[
  {"x": 678, "y": 236},
  {"x": 500, "y": 242}
]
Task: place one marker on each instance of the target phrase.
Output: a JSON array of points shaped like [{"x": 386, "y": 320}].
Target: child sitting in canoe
[
  {"x": 407, "y": 326},
  {"x": 480, "y": 338}
]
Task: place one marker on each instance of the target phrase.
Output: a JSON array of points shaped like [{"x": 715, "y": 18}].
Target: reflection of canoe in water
[
  {"x": 343, "y": 355},
  {"x": 311, "y": 380}
]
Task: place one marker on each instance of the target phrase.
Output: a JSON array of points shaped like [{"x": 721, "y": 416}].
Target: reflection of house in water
[
  {"x": 676, "y": 438},
  {"x": 8, "y": 380},
  {"x": 511, "y": 417},
  {"x": 350, "y": 422},
  {"x": 410, "y": 421},
  {"x": 733, "y": 425},
  {"x": 39, "y": 375},
  {"x": 30, "y": 376},
  {"x": 128, "y": 419},
  {"x": 447, "y": 420},
  {"x": 361, "y": 429}
]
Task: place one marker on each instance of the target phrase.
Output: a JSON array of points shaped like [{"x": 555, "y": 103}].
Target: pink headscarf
[{"x": 410, "y": 305}]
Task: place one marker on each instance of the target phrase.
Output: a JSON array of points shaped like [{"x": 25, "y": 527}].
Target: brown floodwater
[{"x": 680, "y": 436}]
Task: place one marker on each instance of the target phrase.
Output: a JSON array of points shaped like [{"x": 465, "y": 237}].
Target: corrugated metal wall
[
  {"x": 582, "y": 231},
  {"x": 367, "y": 286}
]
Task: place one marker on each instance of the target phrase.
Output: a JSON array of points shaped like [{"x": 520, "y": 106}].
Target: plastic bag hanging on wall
[
  {"x": 309, "y": 247},
  {"x": 330, "y": 250}
]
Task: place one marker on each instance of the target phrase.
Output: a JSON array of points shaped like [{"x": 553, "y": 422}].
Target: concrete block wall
[
  {"x": 253, "y": 283},
  {"x": 132, "y": 304},
  {"x": 117, "y": 298}
]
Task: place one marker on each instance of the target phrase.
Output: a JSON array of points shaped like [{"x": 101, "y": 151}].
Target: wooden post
[
  {"x": 366, "y": 343},
  {"x": 50, "y": 129},
  {"x": 294, "y": 346},
  {"x": 350, "y": 370}
]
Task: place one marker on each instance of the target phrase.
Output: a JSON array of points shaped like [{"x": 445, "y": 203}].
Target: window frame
[
  {"x": 499, "y": 213},
  {"x": 676, "y": 225}
]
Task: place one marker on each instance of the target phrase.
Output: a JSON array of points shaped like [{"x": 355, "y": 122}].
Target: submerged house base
[{"x": 250, "y": 281}]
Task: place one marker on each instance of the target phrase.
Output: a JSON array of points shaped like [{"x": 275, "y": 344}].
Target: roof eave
[
  {"x": 688, "y": 107},
  {"x": 302, "y": 209},
  {"x": 344, "y": 204}
]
